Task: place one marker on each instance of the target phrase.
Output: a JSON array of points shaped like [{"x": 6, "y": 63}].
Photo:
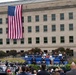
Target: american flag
[{"x": 15, "y": 22}]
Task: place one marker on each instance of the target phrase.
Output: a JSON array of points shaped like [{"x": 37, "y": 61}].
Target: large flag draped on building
[{"x": 15, "y": 22}]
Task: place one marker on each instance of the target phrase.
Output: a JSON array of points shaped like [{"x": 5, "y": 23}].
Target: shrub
[
  {"x": 34, "y": 50},
  {"x": 2, "y": 54},
  {"x": 12, "y": 52},
  {"x": 67, "y": 67},
  {"x": 36, "y": 67}
]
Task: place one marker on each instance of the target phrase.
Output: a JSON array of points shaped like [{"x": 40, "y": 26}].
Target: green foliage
[
  {"x": 22, "y": 54},
  {"x": 36, "y": 67},
  {"x": 67, "y": 67},
  {"x": 12, "y": 52},
  {"x": 73, "y": 59},
  {"x": 34, "y": 50},
  {"x": 68, "y": 51},
  {"x": 10, "y": 59},
  {"x": 2, "y": 54},
  {"x": 61, "y": 49}
]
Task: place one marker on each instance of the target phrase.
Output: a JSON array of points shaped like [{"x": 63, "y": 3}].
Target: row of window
[
  {"x": 45, "y": 28},
  {"x": 53, "y": 17},
  {"x": 53, "y": 28},
  {"x": 62, "y": 40}
]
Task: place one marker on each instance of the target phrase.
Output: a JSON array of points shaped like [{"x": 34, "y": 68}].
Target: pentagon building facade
[{"x": 47, "y": 24}]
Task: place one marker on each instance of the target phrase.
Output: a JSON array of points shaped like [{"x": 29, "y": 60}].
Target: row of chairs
[{"x": 47, "y": 61}]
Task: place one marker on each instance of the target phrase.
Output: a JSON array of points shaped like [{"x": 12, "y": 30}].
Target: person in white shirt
[
  {"x": 51, "y": 59},
  {"x": 26, "y": 56},
  {"x": 60, "y": 55},
  {"x": 44, "y": 54}
]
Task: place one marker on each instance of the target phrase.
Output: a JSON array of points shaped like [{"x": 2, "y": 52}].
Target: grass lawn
[{"x": 10, "y": 59}]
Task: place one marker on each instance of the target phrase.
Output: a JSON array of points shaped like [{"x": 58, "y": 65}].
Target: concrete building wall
[{"x": 43, "y": 8}]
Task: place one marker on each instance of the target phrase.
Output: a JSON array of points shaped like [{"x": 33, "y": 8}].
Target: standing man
[
  {"x": 33, "y": 60},
  {"x": 51, "y": 59},
  {"x": 73, "y": 69},
  {"x": 22, "y": 71},
  {"x": 43, "y": 71}
]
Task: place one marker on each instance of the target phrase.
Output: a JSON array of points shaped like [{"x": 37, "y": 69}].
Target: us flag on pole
[{"x": 15, "y": 22}]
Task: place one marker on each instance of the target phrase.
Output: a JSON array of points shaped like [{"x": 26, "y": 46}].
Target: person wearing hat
[{"x": 73, "y": 69}]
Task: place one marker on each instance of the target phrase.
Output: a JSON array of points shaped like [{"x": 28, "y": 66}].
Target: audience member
[
  {"x": 33, "y": 60},
  {"x": 22, "y": 71},
  {"x": 73, "y": 69},
  {"x": 43, "y": 71}
]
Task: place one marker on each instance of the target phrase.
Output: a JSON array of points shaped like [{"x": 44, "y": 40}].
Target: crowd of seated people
[
  {"x": 43, "y": 70},
  {"x": 47, "y": 71},
  {"x": 47, "y": 58}
]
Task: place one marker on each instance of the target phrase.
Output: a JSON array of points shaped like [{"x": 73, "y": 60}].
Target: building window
[
  {"x": 29, "y": 40},
  {"x": 61, "y": 27},
  {"x": 44, "y": 17},
  {"x": 61, "y": 16},
  {"x": 53, "y": 16},
  {"x": 71, "y": 39},
  {"x": 1, "y": 41},
  {"x": 37, "y": 18},
  {"x": 22, "y": 19},
  {"x": 6, "y": 20},
  {"x": 45, "y": 28},
  {"x": 22, "y": 29},
  {"x": 29, "y": 18},
  {"x": 70, "y": 26},
  {"x": 7, "y": 51},
  {"x": 45, "y": 40},
  {"x": 22, "y": 41},
  {"x": 0, "y": 20},
  {"x": 53, "y": 39},
  {"x": 62, "y": 40},
  {"x": 14, "y": 41},
  {"x": 29, "y": 29},
  {"x": 7, "y": 41},
  {"x": 37, "y": 40},
  {"x": 53, "y": 27},
  {"x": 22, "y": 51},
  {"x": 37, "y": 28},
  {"x": 71, "y": 15},
  {"x": 0, "y": 30}
]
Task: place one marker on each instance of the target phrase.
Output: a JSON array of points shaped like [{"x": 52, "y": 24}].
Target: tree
[
  {"x": 13, "y": 52},
  {"x": 61, "y": 49},
  {"x": 2, "y": 54},
  {"x": 35, "y": 50}
]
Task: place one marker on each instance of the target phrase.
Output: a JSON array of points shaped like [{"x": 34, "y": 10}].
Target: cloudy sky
[{"x": 7, "y": 0}]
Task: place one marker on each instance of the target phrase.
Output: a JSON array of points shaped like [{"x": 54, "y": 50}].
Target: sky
[{"x": 7, "y": 0}]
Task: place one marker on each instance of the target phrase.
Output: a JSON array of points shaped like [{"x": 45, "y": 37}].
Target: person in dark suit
[
  {"x": 43, "y": 71},
  {"x": 33, "y": 60},
  {"x": 1, "y": 73},
  {"x": 22, "y": 71},
  {"x": 43, "y": 60},
  {"x": 73, "y": 69}
]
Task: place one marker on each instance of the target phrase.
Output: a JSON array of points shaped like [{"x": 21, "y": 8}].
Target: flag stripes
[{"x": 15, "y": 22}]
